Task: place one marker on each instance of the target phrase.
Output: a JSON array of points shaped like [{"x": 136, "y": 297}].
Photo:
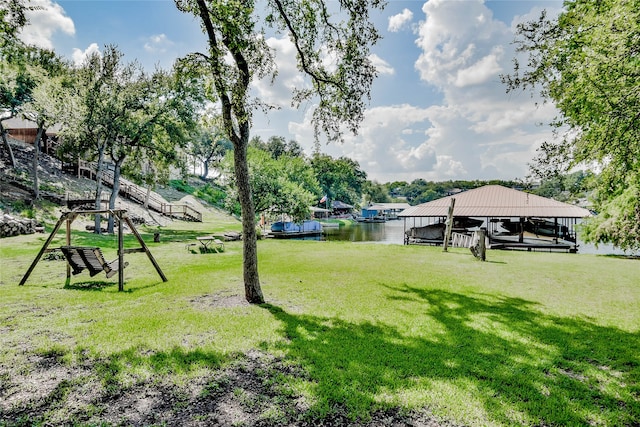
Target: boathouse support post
[
  {"x": 521, "y": 234},
  {"x": 482, "y": 244},
  {"x": 447, "y": 234}
]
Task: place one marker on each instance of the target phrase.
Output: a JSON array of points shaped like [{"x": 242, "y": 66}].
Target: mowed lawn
[{"x": 534, "y": 339}]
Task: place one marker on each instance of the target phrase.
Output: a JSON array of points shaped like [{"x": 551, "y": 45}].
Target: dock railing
[{"x": 459, "y": 240}]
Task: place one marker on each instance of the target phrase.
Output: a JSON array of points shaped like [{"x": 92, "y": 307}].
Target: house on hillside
[{"x": 26, "y": 131}]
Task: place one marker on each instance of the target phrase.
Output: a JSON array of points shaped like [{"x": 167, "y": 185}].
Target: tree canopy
[
  {"x": 340, "y": 179},
  {"x": 587, "y": 62},
  {"x": 284, "y": 185}
]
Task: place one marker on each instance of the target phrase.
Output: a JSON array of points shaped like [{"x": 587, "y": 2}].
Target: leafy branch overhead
[
  {"x": 334, "y": 56},
  {"x": 586, "y": 61}
]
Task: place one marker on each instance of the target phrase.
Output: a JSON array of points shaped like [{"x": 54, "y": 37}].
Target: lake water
[
  {"x": 388, "y": 232},
  {"x": 392, "y": 232}
]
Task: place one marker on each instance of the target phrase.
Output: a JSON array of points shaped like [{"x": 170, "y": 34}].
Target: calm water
[{"x": 389, "y": 232}]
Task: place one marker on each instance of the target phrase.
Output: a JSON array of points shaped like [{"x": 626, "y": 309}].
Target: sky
[{"x": 438, "y": 109}]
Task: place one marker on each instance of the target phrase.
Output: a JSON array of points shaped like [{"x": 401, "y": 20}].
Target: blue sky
[{"x": 438, "y": 109}]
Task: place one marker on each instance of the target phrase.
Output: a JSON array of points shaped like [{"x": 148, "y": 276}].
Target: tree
[
  {"x": 154, "y": 114},
  {"x": 16, "y": 83},
  {"x": 208, "y": 144},
  {"x": 46, "y": 100},
  {"x": 121, "y": 110},
  {"x": 375, "y": 193},
  {"x": 91, "y": 111},
  {"x": 340, "y": 179},
  {"x": 12, "y": 19},
  {"x": 333, "y": 53},
  {"x": 16, "y": 87},
  {"x": 586, "y": 63},
  {"x": 286, "y": 185},
  {"x": 277, "y": 146}
]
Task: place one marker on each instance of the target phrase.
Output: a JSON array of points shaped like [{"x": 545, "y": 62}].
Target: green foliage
[
  {"x": 586, "y": 63},
  {"x": 567, "y": 188},
  {"x": 237, "y": 54},
  {"x": 208, "y": 144},
  {"x": 12, "y": 19},
  {"x": 211, "y": 194},
  {"x": 421, "y": 191},
  {"x": 182, "y": 185},
  {"x": 285, "y": 185},
  {"x": 374, "y": 192},
  {"x": 340, "y": 179},
  {"x": 277, "y": 146},
  {"x": 618, "y": 221}
]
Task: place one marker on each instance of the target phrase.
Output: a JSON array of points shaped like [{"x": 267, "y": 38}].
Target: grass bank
[{"x": 351, "y": 333}]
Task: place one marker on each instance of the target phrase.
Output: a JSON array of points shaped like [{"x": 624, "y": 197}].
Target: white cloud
[
  {"x": 279, "y": 92},
  {"x": 483, "y": 70},
  {"x": 480, "y": 131},
  {"x": 397, "y": 22},
  {"x": 158, "y": 43},
  {"x": 391, "y": 139},
  {"x": 47, "y": 19},
  {"x": 381, "y": 65},
  {"x": 477, "y": 131},
  {"x": 78, "y": 56},
  {"x": 452, "y": 39}
]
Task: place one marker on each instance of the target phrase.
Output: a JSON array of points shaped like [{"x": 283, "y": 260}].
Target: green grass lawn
[{"x": 523, "y": 339}]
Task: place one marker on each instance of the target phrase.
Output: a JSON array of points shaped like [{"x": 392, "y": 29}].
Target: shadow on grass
[
  {"x": 116, "y": 394},
  {"x": 169, "y": 235},
  {"x": 520, "y": 366},
  {"x": 89, "y": 285},
  {"x": 99, "y": 285},
  {"x": 499, "y": 355}
]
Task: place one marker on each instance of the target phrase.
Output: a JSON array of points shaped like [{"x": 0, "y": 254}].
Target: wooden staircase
[{"x": 140, "y": 195}]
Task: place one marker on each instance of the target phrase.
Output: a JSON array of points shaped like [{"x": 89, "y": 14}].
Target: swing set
[{"x": 81, "y": 258}]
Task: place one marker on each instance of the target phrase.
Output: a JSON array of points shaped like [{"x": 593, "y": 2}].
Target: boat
[
  {"x": 371, "y": 219},
  {"x": 435, "y": 232},
  {"x": 289, "y": 229},
  {"x": 537, "y": 226},
  {"x": 427, "y": 232}
]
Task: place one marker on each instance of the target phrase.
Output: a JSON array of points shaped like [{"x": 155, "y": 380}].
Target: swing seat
[{"x": 90, "y": 258}]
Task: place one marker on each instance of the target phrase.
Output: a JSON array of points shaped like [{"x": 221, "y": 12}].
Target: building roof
[
  {"x": 317, "y": 209},
  {"x": 17, "y": 123},
  {"x": 495, "y": 201},
  {"x": 337, "y": 204},
  {"x": 388, "y": 206}
]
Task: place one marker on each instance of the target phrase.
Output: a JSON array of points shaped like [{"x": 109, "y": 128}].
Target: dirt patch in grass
[
  {"x": 220, "y": 300},
  {"x": 243, "y": 393}
]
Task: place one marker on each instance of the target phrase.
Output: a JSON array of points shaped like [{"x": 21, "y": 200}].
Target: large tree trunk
[
  {"x": 98, "y": 204},
  {"x": 253, "y": 292},
  {"x": 205, "y": 169},
  {"x": 7, "y": 146},
  {"x": 36, "y": 162},
  {"x": 115, "y": 189}
]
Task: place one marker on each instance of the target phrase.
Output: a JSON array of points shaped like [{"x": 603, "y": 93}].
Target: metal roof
[
  {"x": 388, "y": 206},
  {"x": 496, "y": 201},
  {"x": 337, "y": 204}
]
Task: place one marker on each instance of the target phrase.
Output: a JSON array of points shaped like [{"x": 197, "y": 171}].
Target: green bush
[{"x": 182, "y": 185}]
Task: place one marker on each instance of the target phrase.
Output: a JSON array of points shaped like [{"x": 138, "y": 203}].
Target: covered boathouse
[{"x": 513, "y": 219}]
